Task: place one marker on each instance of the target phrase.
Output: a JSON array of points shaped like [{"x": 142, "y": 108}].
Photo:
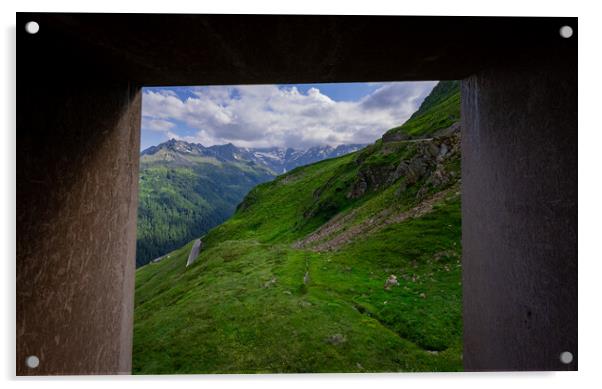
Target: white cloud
[
  {"x": 157, "y": 124},
  {"x": 268, "y": 115}
]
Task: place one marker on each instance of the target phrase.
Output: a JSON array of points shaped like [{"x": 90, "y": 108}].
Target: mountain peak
[{"x": 174, "y": 145}]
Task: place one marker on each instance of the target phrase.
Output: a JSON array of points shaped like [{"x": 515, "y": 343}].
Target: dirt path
[{"x": 194, "y": 252}]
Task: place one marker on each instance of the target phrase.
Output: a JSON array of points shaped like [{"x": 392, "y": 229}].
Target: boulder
[
  {"x": 391, "y": 281},
  {"x": 336, "y": 339}
]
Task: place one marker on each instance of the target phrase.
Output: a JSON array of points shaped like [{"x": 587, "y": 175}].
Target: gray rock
[
  {"x": 443, "y": 150},
  {"x": 391, "y": 281},
  {"x": 453, "y": 129},
  {"x": 269, "y": 283},
  {"x": 306, "y": 278},
  {"x": 395, "y": 137},
  {"x": 336, "y": 339}
]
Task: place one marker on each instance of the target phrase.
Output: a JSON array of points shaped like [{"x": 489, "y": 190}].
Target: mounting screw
[
  {"x": 32, "y": 27},
  {"x": 32, "y": 361},
  {"x": 566, "y": 357},
  {"x": 566, "y": 31}
]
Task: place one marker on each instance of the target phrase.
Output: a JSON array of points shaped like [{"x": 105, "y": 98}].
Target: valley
[
  {"x": 351, "y": 263},
  {"x": 186, "y": 189}
]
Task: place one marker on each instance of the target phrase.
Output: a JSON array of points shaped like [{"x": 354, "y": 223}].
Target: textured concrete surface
[
  {"x": 77, "y": 168},
  {"x": 154, "y": 49},
  {"x": 519, "y": 215}
]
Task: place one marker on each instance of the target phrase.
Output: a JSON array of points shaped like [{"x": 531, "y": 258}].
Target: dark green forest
[{"x": 178, "y": 202}]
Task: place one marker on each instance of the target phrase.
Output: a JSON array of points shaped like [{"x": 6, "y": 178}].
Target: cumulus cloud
[
  {"x": 269, "y": 115},
  {"x": 157, "y": 124}
]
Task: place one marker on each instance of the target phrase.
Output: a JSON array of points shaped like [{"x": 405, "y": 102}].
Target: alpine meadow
[{"x": 325, "y": 259}]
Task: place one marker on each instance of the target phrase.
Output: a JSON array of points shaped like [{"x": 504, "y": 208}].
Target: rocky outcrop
[
  {"x": 453, "y": 129},
  {"x": 428, "y": 166},
  {"x": 431, "y": 165},
  {"x": 370, "y": 178},
  {"x": 395, "y": 136},
  {"x": 428, "y": 162}
]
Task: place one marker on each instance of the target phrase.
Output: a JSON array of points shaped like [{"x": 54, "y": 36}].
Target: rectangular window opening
[{"x": 299, "y": 228}]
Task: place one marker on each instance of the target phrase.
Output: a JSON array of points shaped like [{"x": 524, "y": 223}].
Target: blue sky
[{"x": 291, "y": 115}]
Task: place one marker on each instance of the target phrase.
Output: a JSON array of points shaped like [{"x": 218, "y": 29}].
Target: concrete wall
[
  {"x": 77, "y": 163},
  {"x": 519, "y": 214}
]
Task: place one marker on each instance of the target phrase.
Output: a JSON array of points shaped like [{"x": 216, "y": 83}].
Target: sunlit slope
[
  {"x": 247, "y": 304},
  {"x": 439, "y": 110}
]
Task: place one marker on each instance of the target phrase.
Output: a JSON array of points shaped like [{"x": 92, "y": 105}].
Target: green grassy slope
[
  {"x": 294, "y": 281},
  {"x": 439, "y": 110}
]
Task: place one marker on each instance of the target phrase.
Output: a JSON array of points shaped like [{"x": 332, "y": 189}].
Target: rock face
[
  {"x": 453, "y": 129},
  {"x": 370, "y": 177},
  {"x": 395, "y": 136},
  {"x": 428, "y": 161}
]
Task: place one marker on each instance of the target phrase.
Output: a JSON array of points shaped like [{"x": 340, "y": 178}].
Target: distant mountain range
[
  {"x": 278, "y": 159},
  {"x": 186, "y": 188}
]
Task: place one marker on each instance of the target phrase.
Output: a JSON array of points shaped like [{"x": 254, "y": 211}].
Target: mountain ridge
[{"x": 278, "y": 159}]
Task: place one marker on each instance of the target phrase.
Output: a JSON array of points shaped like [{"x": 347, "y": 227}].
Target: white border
[{"x": 590, "y": 178}]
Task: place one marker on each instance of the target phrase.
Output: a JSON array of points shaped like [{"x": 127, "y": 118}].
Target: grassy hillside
[
  {"x": 295, "y": 280},
  {"x": 439, "y": 110}
]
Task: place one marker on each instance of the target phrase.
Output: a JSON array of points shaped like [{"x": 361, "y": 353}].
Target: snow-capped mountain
[{"x": 278, "y": 160}]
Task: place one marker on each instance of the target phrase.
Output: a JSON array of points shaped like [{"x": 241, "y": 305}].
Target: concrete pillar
[
  {"x": 77, "y": 168},
  {"x": 519, "y": 210}
]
